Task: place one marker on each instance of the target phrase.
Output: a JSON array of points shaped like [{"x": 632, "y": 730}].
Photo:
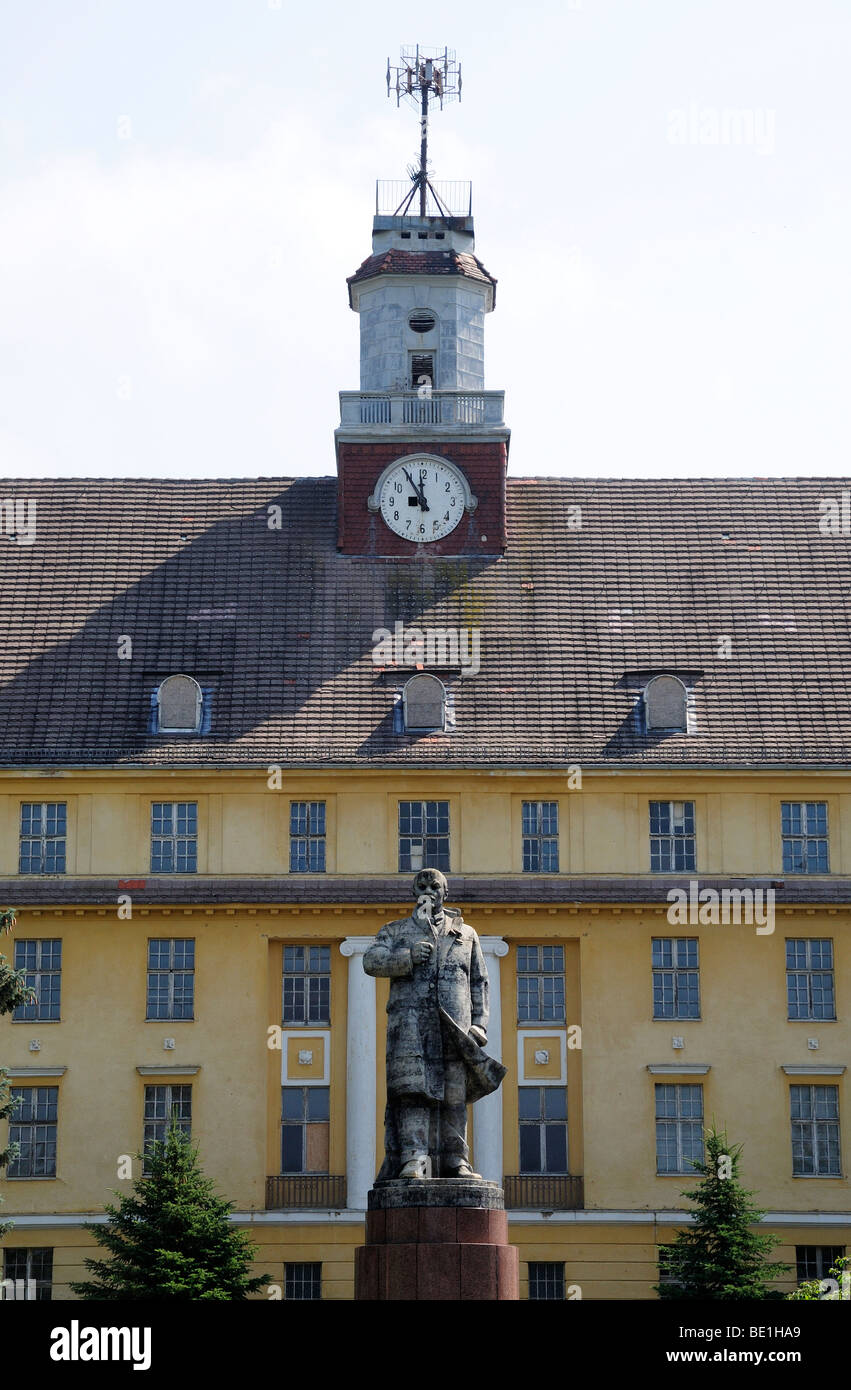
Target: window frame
[
  {"x": 175, "y": 837},
  {"x": 541, "y": 975},
  {"x": 436, "y": 858},
  {"x": 538, "y": 838},
  {"x": 290, "y": 1123},
  {"x": 43, "y": 1283},
  {"x": 818, "y": 1136},
  {"x": 315, "y": 810},
  {"x": 171, "y": 971},
  {"x": 679, "y": 1121},
  {"x": 543, "y": 1123},
  {"x": 808, "y": 972},
  {"x": 542, "y": 1281},
  {"x": 673, "y": 837},
  {"x": 294, "y": 1280},
  {"x": 47, "y": 1139},
  {"x": 309, "y": 975},
  {"x": 44, "y": 838},
  {"x": 805, "y": 837},
  {"x": 184, "y": 1122},
  {"x": 825, "y": 1258},
  {"x": 676, "y": 970},
  {"x": 32, "y": 1013}
]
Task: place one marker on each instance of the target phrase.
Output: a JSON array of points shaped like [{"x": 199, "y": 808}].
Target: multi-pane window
[
  {"x": 42, "y": 961},
  {"x": 302, "y": 1281},
  {"x": 304, "y": 1129},
  {"x": 162, "y": 1105},
  {"x": 540, "y": 837},
  {"x": 676, "y": 988},
  {"x": 32, "y": 1127},
  {"x": 815, "y": 1131},
  {"x": 546, "y": 1280},
  {"x": 804, "y": 830},
  {"x": 28, "y": 1274},
  {"x": 307, "y": 985},
  {"x": 171, "y": 978},
  {"x": 543, "y": 1129},
  {"x": 679, "y": 1128},
  {"x": 540, "y": 984},
  {"x": 307, "y": 837},
  {"x": 174, "y": 837},
  {"x": 423, "y": 835},
  {"x": 43, "y": 830},
  {"x": 672, "y": 842},
  {"x": 809, "y": 978},
  {"x": 816, "y": 1261}
]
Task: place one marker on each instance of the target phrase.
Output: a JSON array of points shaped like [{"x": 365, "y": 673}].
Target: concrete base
[{"x": 441, "y": 1239}]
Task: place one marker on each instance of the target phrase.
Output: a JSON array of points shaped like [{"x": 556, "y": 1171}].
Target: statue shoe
[
  {"x": 414, "y": 1168},
  {"x": 461, "y": 1169}
]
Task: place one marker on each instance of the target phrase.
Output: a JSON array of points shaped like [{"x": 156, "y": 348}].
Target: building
[{"x": 237, "y": 714}]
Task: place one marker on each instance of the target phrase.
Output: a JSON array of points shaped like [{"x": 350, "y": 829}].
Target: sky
[{"x": 661, "y": 188}]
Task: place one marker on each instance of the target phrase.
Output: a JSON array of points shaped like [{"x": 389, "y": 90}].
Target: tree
[
  {"x": 172, "y": 1237},
  {"x": 831, "y": 1290},
  {"x": 719, "y": 1256},
  {"x": 13, "y": 991}
]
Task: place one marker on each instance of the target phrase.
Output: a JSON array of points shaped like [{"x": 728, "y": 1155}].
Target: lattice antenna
[{"x": 423, "y": 73}]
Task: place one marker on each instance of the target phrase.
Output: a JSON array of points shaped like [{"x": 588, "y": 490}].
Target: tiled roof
[
  {"x": 278, "y": 626},
  {"x": 398, "y": 262}
]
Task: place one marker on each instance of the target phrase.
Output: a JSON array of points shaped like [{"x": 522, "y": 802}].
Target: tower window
[
  {"x": 421, "y": 321},
  {"x": 665, "y": 703},
  {"x": 179, "y": 702},
  {"x": 422, "y": 369}
]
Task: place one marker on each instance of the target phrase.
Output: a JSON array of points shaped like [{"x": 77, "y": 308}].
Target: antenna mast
[{"x": 421, "y": 73}]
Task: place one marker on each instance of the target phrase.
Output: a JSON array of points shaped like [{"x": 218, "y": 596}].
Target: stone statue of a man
[{"x": 437, "y": 1018}]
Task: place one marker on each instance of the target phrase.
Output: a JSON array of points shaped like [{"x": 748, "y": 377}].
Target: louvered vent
[{"x": 421, "y": 321}]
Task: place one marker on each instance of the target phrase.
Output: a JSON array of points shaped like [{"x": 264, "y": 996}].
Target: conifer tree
[
  {"x": 171, "y": 1238},
  {"x": 13, "y": 991},
  {"x": 720, "y": 1256}
]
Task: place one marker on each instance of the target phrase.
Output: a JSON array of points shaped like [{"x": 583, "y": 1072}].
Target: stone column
[
  {"x": 487, "y": 1112},
  {"x": 360, "y": 1075}
]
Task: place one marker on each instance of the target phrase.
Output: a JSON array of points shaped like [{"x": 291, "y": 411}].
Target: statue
[{"x": 437, "y": 1018}]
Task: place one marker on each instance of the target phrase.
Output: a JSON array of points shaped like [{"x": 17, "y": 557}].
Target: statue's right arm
[{"x": 385, "y": 957}]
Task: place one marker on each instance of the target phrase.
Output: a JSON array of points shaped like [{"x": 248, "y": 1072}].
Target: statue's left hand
[{"x": 478, "y": 1035}]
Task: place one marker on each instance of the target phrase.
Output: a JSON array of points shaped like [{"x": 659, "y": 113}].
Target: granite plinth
[{"x": 441, "y": 1239}]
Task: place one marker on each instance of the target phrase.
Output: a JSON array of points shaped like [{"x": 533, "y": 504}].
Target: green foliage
[
  {"x": 13, "y": 991},
  {"x": 172, "y": 1237},
  {"x": 719, "y": 1256},
  {"x": 812, "y": 1289}
]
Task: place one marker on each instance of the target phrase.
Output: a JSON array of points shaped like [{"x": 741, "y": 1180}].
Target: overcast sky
[{"x": 661, "y": 188}]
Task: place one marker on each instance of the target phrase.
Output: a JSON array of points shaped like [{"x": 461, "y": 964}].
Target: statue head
[{"x": 432, "y": 882}]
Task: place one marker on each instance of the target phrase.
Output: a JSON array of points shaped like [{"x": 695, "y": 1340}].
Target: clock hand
[{"x": 418, "y": 489}]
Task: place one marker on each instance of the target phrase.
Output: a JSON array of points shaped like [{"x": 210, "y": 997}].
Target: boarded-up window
[
  {"x": 422, "y": 369},
  {"x": 424, "y": 701},
  {"x": 179, "y": 702},
  {"x": 665, "y": 703}
]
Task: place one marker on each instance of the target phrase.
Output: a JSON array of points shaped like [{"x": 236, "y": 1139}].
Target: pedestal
[{"x": 436, "y": 1239}]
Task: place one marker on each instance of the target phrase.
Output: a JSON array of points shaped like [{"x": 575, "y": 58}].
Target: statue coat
[{"x": 454, "y": 978}]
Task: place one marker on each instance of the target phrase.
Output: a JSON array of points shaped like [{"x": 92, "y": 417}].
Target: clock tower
[{"x": 422, "y": 447}]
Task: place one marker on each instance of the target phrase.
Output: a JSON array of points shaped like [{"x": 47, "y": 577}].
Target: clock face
[{"x": 422, "y": 499}]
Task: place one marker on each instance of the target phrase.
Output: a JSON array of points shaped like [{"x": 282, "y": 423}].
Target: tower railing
[{"x": 402, "y": 409}]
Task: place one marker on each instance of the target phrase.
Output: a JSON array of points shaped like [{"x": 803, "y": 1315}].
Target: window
[
  {"x": 423, "y": 835},
  {"x": 540, "y": 984},
  {"x": 665, "y": 704},
  {"x": 307, "y": 837},
  {"x": 540, "y": 837},
  {"x": 162, "y": 1104},
  {"x": 546, "y": 1280},
  {"x": 304, "y": 1129},
  {"x": 307, "y": 985},
  {"x": 543, "y": 1129},
  {"x": 174, "y": 837},
  {"x": 28, "y": 1274},
  {"x": 816, "y": 1261},
  {"x": 679, "y": 1128},
  {"x": 422, "y": 366},
  {"x": 809, "y": 978},
  {"x": 171, "y": 978},
  {"x": 815, "y": 1131},
  {"x": 676, "y": 989},
  {"x": 424, "y": 705},
  {"x": 32, "y": 1126},
  {"x": 43, "y": 830},
  {"x": 42, "y": 961},
  {"x": 804, "y": 830},
  {"x": 671, "y": 836},
  {"x": 666, "y": 1276},
  {"x": 179, "y": 705},
  {"x": 302, "y": 1281}
]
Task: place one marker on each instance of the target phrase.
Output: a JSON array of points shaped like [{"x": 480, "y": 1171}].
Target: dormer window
[
  {"x": 179, "y": 705},
  {"x": 665, "y": 704},
  {"x": 424, "y": 705}
]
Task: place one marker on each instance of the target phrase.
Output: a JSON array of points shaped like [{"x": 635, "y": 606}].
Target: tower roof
[{"x": 395, "y": 261}]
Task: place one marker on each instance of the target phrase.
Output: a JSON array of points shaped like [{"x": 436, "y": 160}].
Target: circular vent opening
[{"x": 421, "y": 321}]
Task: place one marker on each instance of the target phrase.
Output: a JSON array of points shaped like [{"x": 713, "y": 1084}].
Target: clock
[{"x": 422, "y": 497}]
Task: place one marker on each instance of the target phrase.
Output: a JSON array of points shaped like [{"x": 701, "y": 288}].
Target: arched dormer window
[
  {"x": 424, "y": 705},
  {"x": 179, "y": 705},
  {"x": 665, "y": 701}
]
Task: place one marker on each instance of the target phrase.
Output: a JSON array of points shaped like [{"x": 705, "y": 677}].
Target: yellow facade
[{"x": 606, "y": 1044}]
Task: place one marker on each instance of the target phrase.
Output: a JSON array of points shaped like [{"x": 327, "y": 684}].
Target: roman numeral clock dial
[{"x": 423, "y": 498}]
